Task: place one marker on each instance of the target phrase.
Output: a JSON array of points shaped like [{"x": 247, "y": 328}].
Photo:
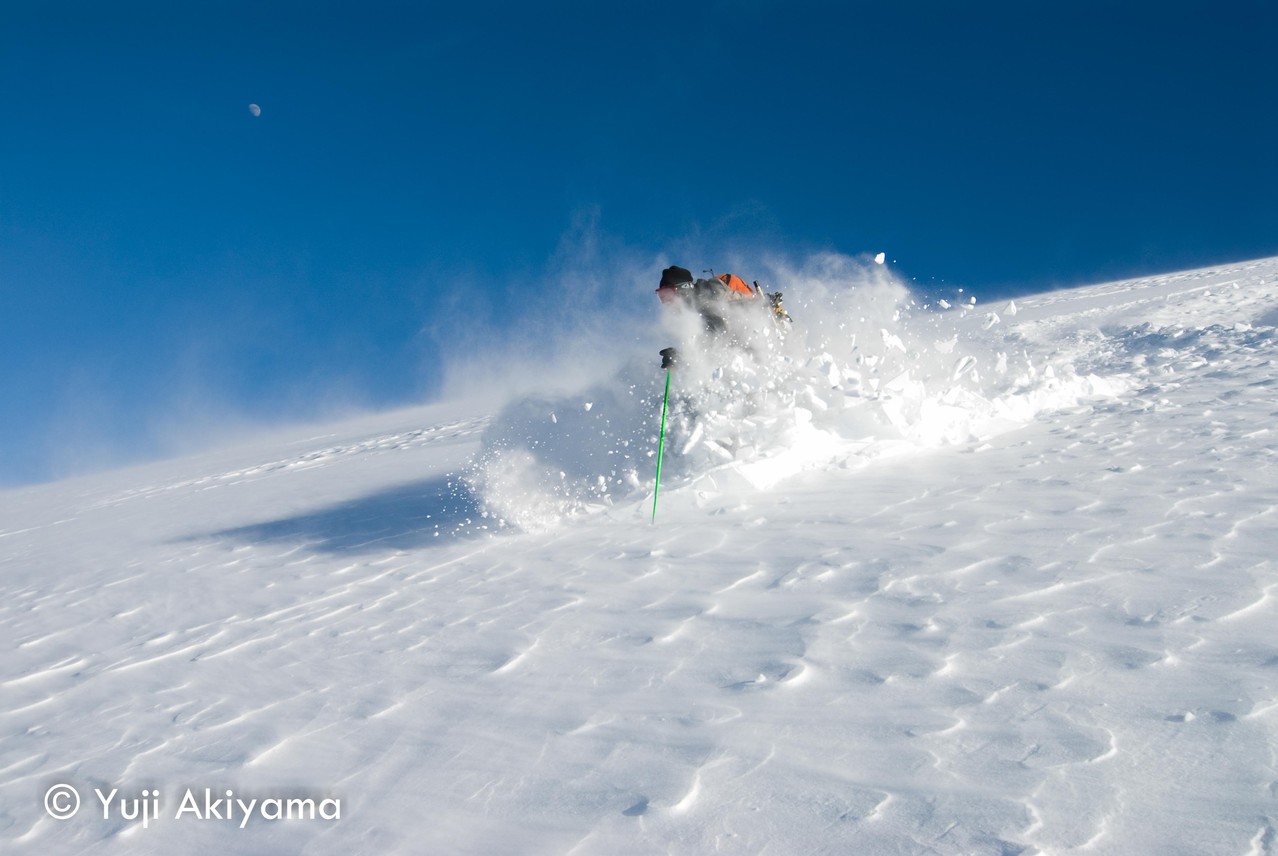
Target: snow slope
[{"x": 1009, "y": 587}]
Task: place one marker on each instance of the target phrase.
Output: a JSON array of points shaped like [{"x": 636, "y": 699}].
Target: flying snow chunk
[
  {"x": 255, "y": 110},
  {"x": 880, "y": 258}
]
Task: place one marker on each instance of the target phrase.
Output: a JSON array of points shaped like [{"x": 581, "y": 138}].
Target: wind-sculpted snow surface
[
  {"x": 867, "y": 370},
  {"x": 935, "y": 636}
]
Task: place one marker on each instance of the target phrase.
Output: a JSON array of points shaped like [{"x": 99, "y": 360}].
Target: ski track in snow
[{"x": 1053, "y": 639}]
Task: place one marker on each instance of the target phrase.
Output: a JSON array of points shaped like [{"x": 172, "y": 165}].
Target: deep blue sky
[{"x": 171, "y": 265}]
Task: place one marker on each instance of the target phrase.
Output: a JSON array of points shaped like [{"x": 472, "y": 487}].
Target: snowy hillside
[{"x": 938, "y": 580}]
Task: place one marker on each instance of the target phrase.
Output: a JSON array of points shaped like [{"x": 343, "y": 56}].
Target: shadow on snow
[{"x": 406, "y": 517}]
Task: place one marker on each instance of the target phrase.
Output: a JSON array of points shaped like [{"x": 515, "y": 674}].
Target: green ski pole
[{"x": 661, "y": 445}]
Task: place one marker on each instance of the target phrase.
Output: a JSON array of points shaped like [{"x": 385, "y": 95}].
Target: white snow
[{"x": 918, "y": 583}]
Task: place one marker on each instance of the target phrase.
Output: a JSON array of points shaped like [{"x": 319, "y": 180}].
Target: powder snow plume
[{"x": 866, "y": 369}]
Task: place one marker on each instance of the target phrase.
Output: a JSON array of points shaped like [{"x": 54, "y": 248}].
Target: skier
[{"x": 715, "y": 299}]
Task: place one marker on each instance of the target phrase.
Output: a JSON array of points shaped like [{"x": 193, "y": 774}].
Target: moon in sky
[{"x": 255, "y": 110}]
